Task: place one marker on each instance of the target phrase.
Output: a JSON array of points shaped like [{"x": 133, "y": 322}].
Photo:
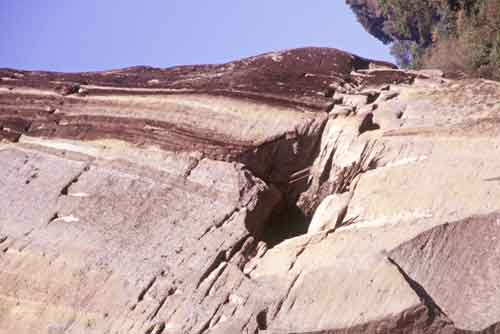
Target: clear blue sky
[{"x": 84, "y": 35}]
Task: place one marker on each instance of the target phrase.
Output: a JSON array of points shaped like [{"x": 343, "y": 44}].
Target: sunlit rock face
[{"x": 179, "y": 200}]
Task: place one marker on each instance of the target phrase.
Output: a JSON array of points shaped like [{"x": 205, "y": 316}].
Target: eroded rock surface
[
  {"x": 157, "y": 201},
  {"x": 457, "y": 264}
]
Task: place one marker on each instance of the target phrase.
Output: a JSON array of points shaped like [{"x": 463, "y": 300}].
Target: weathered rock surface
[
  {"x": 457, "y": 264},
  {"x": 330, "y": 213},
  {"x": 157, "y": 201},
  {"x": 94, "y": 246}
]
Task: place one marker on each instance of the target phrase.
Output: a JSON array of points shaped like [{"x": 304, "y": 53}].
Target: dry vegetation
[{"x": 461, "y": 37}]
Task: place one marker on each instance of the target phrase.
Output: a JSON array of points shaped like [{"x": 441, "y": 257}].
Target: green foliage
[
  {"x": 459, "y": 35},
  {"x": 476, "y": 38},
  {"x": 410, "y": 20},
  {"x": 406, "y": 53}
]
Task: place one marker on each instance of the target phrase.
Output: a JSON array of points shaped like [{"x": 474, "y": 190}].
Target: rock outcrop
[{"x": 157, "y": 201}]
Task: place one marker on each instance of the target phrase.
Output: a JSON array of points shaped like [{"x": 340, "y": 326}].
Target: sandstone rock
[
  {"x": 343, "y": 283},
  {"x": 341, "y": 110},
  {"x": 367, "y": 109},
  {"x": 343, "y": 155},
  {"x": 178, "y": 200},
  {"x": 386, "y": 96},
  {"x": 355, "y": 100},
  {"x": 457, "y": 266},
  {"x": 235, "y": 124},
  {"x": 439, "y": 150},
  {"x": 330, "y": 213},
  {"x": 432, "y": 73},
  {"x": 119, "y": 241}
]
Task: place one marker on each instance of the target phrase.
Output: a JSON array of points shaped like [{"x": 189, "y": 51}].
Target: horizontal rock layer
[{"x": 178, "y": 200}]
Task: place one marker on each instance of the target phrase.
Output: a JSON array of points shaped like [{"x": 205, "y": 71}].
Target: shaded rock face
[
  {"x": 157, "y": 201},
  {"x": 386, "y": 27},
  {"x": 369, "y": 14}
]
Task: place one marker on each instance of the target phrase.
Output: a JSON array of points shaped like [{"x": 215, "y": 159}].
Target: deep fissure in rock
[
  {"x": 286, "y": 221},
  {"x": 368, "y": 124},
  {"x": 262, "y": 320}
]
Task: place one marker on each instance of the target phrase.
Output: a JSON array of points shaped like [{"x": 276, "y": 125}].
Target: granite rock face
[{"x": 157, "y": 201}]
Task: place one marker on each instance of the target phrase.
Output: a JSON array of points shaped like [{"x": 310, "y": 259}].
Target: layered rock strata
[{"x": 159, "y": 201}]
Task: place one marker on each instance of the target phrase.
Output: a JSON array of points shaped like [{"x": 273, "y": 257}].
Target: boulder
[
  {"x": 330, "y": 213},
  {"x": 456, "y": 264}
]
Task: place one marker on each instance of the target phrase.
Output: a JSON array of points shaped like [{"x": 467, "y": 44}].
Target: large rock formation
[{"x": 157, "y": 201}]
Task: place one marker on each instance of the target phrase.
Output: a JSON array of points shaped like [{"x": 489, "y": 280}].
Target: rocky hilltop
[{"x": 304, "y": 191}]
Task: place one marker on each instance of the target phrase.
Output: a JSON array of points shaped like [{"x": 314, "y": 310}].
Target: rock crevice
[{"x": 303, "y": 191}]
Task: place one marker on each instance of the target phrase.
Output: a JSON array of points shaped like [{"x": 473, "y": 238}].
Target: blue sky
[{"x": 85, "y": 35}]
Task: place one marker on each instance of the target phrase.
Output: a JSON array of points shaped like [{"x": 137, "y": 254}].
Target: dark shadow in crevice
[
  {"x": 372, "y": 97},
  {"x": 262, "y": 320},
  {"x": 287, "y": 221},
  {"x": 290, "y": 174},
  {"x": 492, "y": 179},
  {"x": 433, "y": 309},
  {"x": 368, "y": 124},
  {"x": 53, "y": 218}
]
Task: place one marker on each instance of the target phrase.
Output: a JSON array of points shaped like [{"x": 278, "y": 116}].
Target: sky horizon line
[
  {"x": 194, "y": 64},
  {"x": 92, "y": 35}
]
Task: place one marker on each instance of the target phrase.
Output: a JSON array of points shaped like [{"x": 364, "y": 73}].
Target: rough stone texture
[
  {"x": 100, "y": 246},
  {"x": 165, "y": 201},
  {"x": 330, "y": 213},
  {"x": 222, "y": 111},
  {"x": 325, "y": 288},
  {"x": 457, "y": 264},
  {"x": 446, "y": 146}
]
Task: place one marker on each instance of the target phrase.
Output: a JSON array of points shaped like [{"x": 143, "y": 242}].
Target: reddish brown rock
[{"x": 160, "y": 201}]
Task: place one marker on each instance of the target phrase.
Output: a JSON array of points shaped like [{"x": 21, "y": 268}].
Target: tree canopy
[{"x": 460, "y": 36}]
